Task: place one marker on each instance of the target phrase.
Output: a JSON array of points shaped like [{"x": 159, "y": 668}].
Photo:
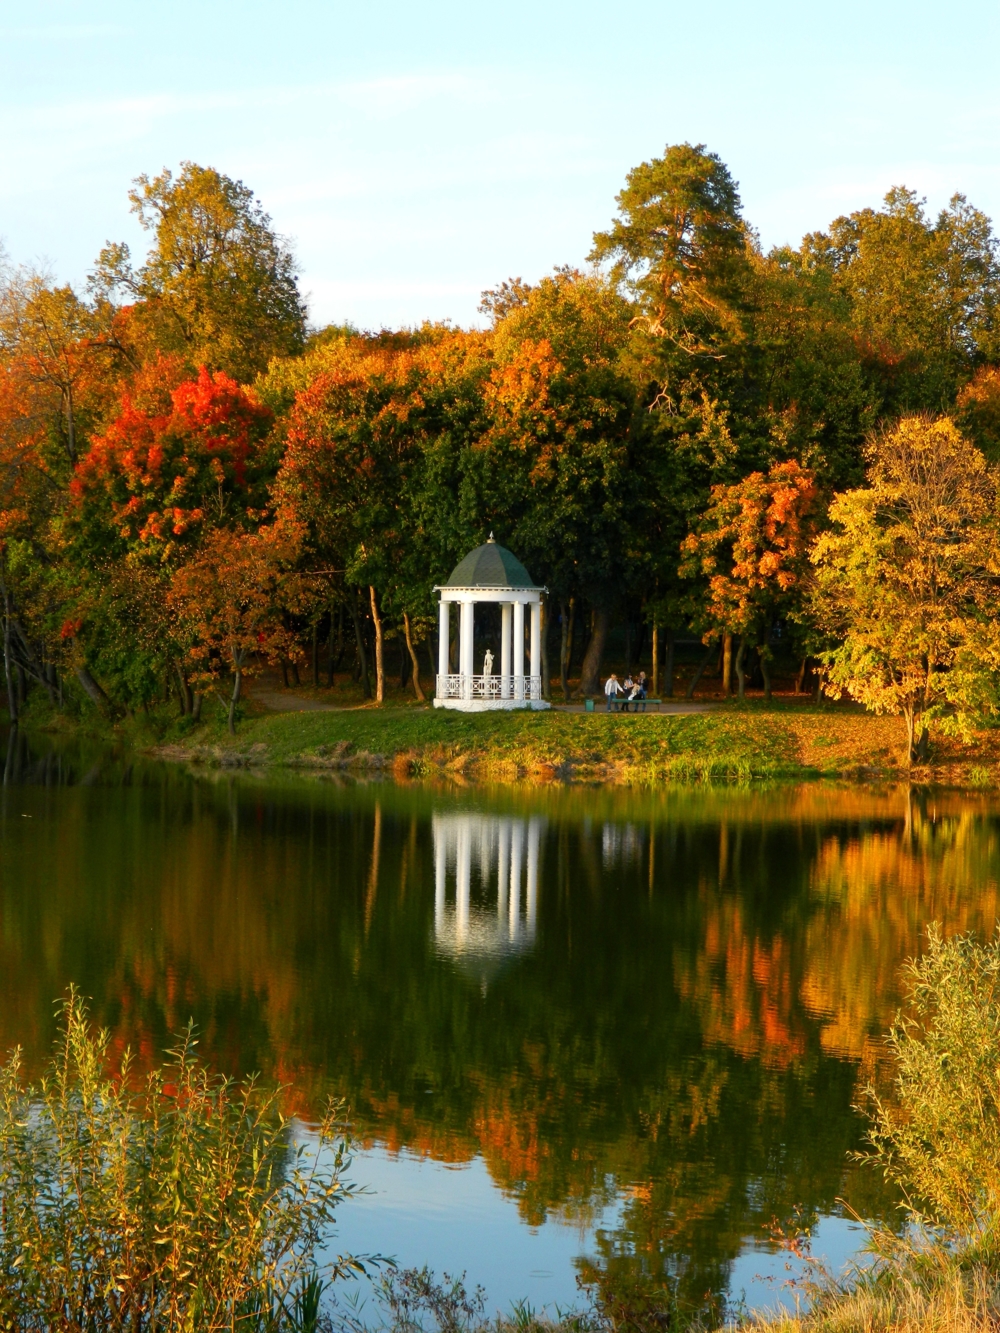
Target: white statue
[{"x": 488, "y": 663}]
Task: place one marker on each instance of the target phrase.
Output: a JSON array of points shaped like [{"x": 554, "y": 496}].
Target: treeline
[{"x": 785, "y": 451}]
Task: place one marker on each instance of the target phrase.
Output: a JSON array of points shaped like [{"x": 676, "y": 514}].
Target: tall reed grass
[{"x": 182, "y": 1203}]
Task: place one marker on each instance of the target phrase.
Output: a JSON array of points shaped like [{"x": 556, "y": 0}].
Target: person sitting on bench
[{"x": 639, "y": 693}]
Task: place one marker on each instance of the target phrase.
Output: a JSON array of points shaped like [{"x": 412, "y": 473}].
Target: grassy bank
[{"x": 730, "y": 742}]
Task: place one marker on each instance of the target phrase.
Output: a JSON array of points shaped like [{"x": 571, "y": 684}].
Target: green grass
[{"x": 649, "y": 747}]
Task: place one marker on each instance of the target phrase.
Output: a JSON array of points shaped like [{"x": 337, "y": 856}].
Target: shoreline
[
  {"x": 721, "y": 741},
  {"x": 730, "y": 742}
]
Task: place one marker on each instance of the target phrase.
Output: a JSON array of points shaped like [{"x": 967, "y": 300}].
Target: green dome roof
[{"x": 490, "y": 566}]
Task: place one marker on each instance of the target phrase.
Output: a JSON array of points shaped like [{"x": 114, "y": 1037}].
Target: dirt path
[{"x": 284, "y": 701}]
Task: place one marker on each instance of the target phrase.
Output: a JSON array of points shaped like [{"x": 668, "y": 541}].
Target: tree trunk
[
  {"x": 693, "y": 682},
  {"x": 668, "y": 665},
  {"x": 284, "y": 673},
  {"x": 329, "y": 647},
  {"x": 237, "y": 682},
  {"x": 196, "y": 707},
  {"x": 590, "y": 672},
  {"x": 741, "y": 675},
  {"x": 727, "y": 665},
  {"x": 908, "y": 714},
  {"x": 359, "y": 639},
  {"x": 12, "y": 708},
  {"x": 566, "y": 648},
  {"x": 295, "y": 673},
  {"x": 185, "y": 692},
  {"x": 316, "y": 655},
  {"x": 800, "y": 679},
  {"x": 765, "y": 671},
  {"x": 379, "y": 661},
  {"x": 413, "y": 658},
  {"x": 91, "y": 687},
  {"x": 655, "y": 672}
]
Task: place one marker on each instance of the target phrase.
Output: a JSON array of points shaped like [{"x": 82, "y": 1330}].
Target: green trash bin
[{"x": 589, "y": 705}]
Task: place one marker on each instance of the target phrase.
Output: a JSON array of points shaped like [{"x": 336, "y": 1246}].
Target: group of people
[{"x": 633, "y": 691}]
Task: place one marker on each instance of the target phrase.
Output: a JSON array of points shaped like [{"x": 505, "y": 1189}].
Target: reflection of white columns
[
  {"x": 536, "y": 638},
  {"x": 505, "y": 612},
  {"x": 465, "y": 647},
  {"x": 518, "y": 671},
  {"x": 516, "y": 850},
  {"x": 533, "y": 841},
  {"x": 503, "y": 870},
  {"x": 463, "y": 876},
  {"x": 444, "y": 635},
  {"x": 467, "y": 843},
  {"x": 440, "y": 875}
]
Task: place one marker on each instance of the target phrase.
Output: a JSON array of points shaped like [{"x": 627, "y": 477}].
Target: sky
[{"x": 415, "y": 154}]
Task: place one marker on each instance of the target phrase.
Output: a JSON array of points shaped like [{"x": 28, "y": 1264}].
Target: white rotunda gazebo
[{"x": 490, "y": 573}]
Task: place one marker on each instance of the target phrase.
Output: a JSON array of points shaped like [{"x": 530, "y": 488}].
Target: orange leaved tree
[
  {"x": 228, "y": 602},
  {"x": 751, "y": 545}
]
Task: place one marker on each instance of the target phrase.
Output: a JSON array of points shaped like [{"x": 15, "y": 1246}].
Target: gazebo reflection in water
[{"x": 504, "y": 853}]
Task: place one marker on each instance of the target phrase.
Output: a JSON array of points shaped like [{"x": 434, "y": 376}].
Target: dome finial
[{"x": 491, "y": 538}]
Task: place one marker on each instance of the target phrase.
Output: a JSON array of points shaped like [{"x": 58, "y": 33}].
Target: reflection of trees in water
[{"x": 684, "y": 1030}]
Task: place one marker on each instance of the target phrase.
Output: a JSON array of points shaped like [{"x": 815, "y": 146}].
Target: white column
[
  {"x": 536, "y": 640},
  {"x": 518, "y": 669},
  {"x": 440, "y": 876},
  {"x": 534, "y": 830},
  {"x": 463, "y": 877},
  {"x": 466, "y": 641},
  {"x": 516, "y": 848},
  {"x": 505, "y": 650},
  {"x": 444, "y": 635},
  {"x": 503, "y": 871}
]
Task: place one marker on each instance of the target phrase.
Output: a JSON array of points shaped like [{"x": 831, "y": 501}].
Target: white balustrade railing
[{"x": 457, "y": 686}]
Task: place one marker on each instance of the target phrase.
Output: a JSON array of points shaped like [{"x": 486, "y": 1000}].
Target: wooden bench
[{"x": 620, "y": 704}]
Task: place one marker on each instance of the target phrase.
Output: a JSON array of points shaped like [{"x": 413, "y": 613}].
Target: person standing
[
  {"x": 612, "y": 688},
  {"x": 641, "y": 691}
]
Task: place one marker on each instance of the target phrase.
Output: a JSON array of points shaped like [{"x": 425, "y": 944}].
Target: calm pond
[{"x": 574, "y": 1026}]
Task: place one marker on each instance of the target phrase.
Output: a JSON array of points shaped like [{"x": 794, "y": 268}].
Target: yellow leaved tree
[{"x": 907, "y": 580}]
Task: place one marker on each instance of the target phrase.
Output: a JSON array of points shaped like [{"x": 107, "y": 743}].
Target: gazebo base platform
[{"x": 491, "y": 705}]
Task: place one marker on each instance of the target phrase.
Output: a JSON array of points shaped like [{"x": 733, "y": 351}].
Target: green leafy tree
[
  {"x": 218, "y": 285},
  {"x": 679, "y": 246},
  {"x": 923, "y": 292}
]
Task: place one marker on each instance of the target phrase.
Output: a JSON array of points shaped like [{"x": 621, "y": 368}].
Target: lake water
[{"x": 575, "y": 1026}]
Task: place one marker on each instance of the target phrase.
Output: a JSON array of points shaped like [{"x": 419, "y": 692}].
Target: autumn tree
[
  {"x": 906, "y": 581},
  {"x": 218, "y": 286},
  {"x": 228, "y": 601},
  {"x": 751, "y": 547},
  {"x": 554, "y": 467},
  {"x": 181, "y": 458}
]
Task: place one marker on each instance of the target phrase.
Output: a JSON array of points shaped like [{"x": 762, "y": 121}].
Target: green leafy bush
[
  {"x": 186, "y": 1204},
  {"x": 938, "y": 1138}
]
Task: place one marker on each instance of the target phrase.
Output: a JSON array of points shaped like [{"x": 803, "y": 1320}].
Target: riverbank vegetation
[
  {"x": 185, "y": 1201},
  {"x": 787, "y": 458},
  {"x": 732, "y": 742}
]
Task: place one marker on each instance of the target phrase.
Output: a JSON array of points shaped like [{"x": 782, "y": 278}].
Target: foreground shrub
[
  {"x": 938, "y": 1139},
  {"x": 184, "y": 1205}
]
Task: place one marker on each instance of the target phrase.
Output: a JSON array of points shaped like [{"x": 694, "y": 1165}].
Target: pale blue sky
[{"x": 417, "y": 153}]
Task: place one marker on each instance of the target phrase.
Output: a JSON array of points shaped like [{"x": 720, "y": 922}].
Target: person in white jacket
[{"x": 612, "y": 688}]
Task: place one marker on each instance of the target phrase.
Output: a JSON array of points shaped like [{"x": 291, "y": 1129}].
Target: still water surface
[{"x": 575, "y": 1026}]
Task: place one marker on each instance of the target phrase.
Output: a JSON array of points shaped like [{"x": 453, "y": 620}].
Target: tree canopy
[{"x": 663, "y": 438}]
